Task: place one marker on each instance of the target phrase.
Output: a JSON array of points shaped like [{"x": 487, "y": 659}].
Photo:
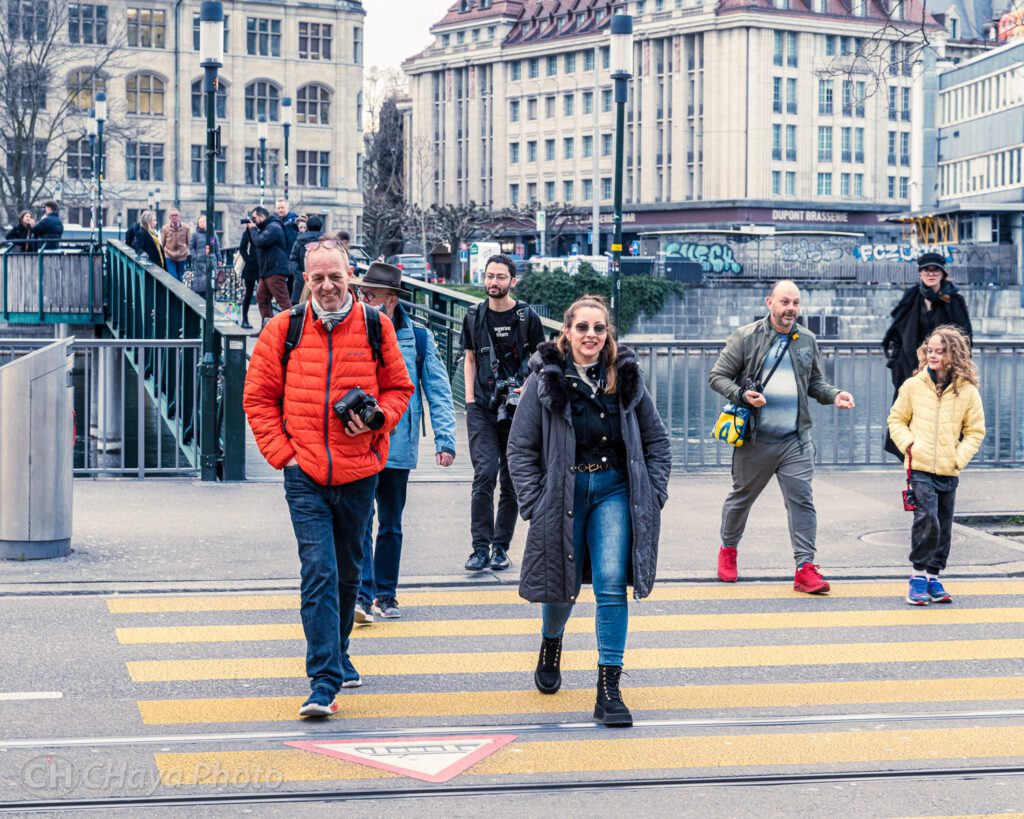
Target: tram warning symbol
[{"x": 429, "y": 759}]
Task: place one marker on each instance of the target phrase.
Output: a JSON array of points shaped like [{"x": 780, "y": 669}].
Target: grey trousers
[{"x": 753, "y": 465}]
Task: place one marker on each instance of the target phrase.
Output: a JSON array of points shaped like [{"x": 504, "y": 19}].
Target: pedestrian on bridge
[
  {"x": 146, "y": 241},
  {"x": 206, "y": 257},
  {"x": 381, "y": 288},
  {"x": 48, "y": 230},
  {"x": 784, "y": 354},
  {"x": 938, "y": 423},
  {"x": 174, "y": 239},
  {"x": 590, "y": 459},
  {"x": 20, "y": 236},
  {"x": 250, "y": 274},
  {"x": 313, "y": 230},
  {"x": 297, "y": 391},
  {"x": 267, "y": 234}
]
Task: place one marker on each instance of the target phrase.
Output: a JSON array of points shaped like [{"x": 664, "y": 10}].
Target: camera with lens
[
  {"x": 506, "y": 399},
  {"x": 751, "y": 385},
  {"x": 246, "y": 220},
  {"x": 363, "y": 405}
]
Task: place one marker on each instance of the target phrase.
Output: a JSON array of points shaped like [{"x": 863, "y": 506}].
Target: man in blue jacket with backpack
[{"x": 381, "y": 287}]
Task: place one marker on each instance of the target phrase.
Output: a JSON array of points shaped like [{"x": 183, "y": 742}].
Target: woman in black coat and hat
[
  {"x": 929, "y": 304},
  {"x": 590, "y": 460}
]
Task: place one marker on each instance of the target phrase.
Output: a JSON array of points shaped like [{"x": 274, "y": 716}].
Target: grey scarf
[{"x": 331, "y": 319}]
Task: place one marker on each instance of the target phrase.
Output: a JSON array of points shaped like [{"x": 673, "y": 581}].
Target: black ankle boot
[
  {"x": 548, "y": 676},
  {"x": 610, "y": 708}
]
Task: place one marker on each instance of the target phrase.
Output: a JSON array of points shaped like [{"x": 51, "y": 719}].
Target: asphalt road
[{"x": 196, "y": 695}]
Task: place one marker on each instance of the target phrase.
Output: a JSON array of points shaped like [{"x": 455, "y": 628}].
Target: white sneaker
[{"x": 362, "y": 615}]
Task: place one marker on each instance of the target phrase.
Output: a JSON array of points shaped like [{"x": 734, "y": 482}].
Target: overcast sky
[{"x": 397, "y": 29}]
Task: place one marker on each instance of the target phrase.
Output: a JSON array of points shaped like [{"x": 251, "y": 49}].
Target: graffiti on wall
[
  {"x": 900, "y": 252},
  {"x": 712, "y": 258},
  {"x": 804, "y": 251}
]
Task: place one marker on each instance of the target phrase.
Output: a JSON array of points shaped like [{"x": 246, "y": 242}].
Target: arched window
[
  {"x": 262, "y": 97},
  {"x": 144, "y": 95},
  {"x": 312, "y": 105},
  {"x": 83, "y": 86},
  {"x": 199, "y": 105}
]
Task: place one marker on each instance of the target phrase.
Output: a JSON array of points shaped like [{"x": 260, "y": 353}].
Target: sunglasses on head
[
  {"x": 584, "y": 328},
  {"x": 327, "y": 243}
]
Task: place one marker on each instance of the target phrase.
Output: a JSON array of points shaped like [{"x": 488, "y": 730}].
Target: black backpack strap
[
  {"x": 421, "y": 349},
  {"x": 296, "y": 321},
  {"x": 374, "y": 332}
]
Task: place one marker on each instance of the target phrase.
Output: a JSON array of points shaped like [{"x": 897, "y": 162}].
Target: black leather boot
[
  {"x": 610, "y": 708},
  {"x": 548, "y": 676}
]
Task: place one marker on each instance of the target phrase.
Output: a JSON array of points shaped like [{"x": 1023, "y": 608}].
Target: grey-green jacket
[{"x": 743, "y": 358}]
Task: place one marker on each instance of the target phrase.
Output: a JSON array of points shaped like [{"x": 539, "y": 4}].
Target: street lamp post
[
  {"x": 211, "y": 50},
  {"x": 100, "y": 117},
  {"x": 261, "y": 131},
  {"x": 286, "y": 121},
  {"x": 622, "y": 71}
]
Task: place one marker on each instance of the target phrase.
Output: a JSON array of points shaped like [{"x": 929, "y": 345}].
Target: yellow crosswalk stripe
[
  {"x": 688, "y": 697},
  {"x": 495, "y": 597},
  {"x": 959, "y": 745},
  {"x": 529, "y": 625},
  {"x": 640, "y": 658}
]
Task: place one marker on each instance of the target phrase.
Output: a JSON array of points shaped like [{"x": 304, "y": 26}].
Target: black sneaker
[
  {"x": 499, "y": 559},
  {"x": 479, "y": 560}
]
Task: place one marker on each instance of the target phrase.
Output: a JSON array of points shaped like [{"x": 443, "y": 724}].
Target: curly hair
[
  {"x": 958, "y": 351},
  {"x": 610, "y": 353}
]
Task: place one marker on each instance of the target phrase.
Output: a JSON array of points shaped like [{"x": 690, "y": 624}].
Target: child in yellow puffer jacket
[{"x": 938, "y": 423}]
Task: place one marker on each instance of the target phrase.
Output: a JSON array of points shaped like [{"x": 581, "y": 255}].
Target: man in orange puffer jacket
[{"x": 330, "y": 466}]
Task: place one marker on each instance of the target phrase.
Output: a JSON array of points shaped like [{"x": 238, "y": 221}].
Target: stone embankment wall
[{"x": 713, "y": 312}]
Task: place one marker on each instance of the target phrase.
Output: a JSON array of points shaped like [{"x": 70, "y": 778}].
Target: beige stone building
[
  {"x": 307, "y": 51},
  {"x": 789, "y": 112}
]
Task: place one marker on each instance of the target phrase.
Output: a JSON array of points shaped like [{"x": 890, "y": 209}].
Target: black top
[
  {"x": 271, "y": 250},
  {"x": 49, "y": 227},
  {"x": 514, "y": 333},
  {"x": 26, "y": 245},
  {"x": 596, "y": 421}
]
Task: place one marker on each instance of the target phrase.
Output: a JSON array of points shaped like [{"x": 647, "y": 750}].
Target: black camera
[
  {"x": 751, "y": 385},
  {"x": 363, "y": 405},
  {"x": 505, "y": 400},
  {"x": 245, "y": 220}
]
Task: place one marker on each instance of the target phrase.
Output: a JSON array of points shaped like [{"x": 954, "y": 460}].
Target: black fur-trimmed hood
[{"x": 549, "y": 366}]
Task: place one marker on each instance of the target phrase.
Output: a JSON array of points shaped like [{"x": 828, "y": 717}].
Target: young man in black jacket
[
  {"x": 272, "y": 256},
  {"x": 49, "y": 227},
  {"x": 499, "y": 336}
]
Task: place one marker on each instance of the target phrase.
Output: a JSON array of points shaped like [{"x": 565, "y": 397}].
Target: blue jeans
[
  {"x": 328, "y": 523},
  {"x": 380, "y": 567},
  {"x": 176, "y": 269},
  {"x": 603, "y": 528}
]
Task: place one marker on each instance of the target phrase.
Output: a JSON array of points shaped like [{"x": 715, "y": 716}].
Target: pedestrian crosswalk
[{"x": 213, "y": 662}]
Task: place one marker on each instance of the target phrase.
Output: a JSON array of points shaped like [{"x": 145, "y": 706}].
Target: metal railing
[
  {"x": 148, "y": 304},
  {"x": 676, "y": 374},
  {"x": 62, "y": 285},
  {"x": 128, "y": 424}
]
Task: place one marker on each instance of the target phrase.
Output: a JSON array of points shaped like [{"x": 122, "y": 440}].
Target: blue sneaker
[
  {"x": 349, "y": 676},
  {"x": 321, "y": 703},
  {"x": 917, "y": 595},
  {"x": 937, "y": 593}
]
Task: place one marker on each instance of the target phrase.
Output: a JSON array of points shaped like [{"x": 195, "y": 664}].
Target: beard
[{"x": 496, "y": 291}]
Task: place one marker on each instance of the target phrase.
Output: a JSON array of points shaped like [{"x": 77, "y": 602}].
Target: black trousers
[
  {"x": 250, "y": 288},
  {"x": 933, "y": 521},
  {"x": 487, "y": 444}
]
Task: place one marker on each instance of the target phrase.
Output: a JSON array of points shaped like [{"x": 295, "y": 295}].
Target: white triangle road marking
[{"x": 429, "y": 759}]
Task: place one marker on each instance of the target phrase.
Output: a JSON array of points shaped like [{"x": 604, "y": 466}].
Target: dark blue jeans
[
  {"x": 380, "y": 567},
  {"x": 328, "y": 523},
  {"x": 176, "y": 269},
  {"x": 603, "y": 527}
]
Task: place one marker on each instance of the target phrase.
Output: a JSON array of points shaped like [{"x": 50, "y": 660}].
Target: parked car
[{"x": 413, "y": 266}]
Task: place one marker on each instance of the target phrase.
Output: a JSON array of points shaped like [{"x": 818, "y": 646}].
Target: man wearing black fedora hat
[{"x": 381, "y": 287}]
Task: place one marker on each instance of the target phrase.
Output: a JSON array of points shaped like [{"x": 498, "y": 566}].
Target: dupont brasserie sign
[{"x": 810, "y": 216}]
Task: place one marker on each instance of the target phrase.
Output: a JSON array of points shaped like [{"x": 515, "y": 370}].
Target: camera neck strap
[
  {"x": 778, "y": 361},
  {"x": 910, "y": 465}
]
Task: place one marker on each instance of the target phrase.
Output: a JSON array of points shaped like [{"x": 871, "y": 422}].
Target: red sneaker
[
  {"x": 809, "y": 580},
  {"x": 727, "y": 572}
]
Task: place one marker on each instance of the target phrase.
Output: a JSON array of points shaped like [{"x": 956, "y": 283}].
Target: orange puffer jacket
[{"x": 297, "y": 419}]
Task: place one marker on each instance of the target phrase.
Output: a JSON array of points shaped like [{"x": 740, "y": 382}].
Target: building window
[
  {"x": 87, "y": 24},
  {"x": 904, "y": 187},
  {"x": 844, "y": 185},
  {"x": 776, "y": 182},
  {"x": 252, "y": 164},
  {"x": 824, "y": 144},
  {"x": 606, "y": 100},
  {"x": 858, "y": 184},
  {"x": 860, "y": 96},
  {"x": 513, "y": 153},
  {"x": 588, "y": 102},
  {"x": 549, "y": 191},
  {"x": 144, "y": 161},
  {"x": 778, "y": 50},
  {"x": 858, "y": 145},
  {"x": 314, "y": 41},
  {"x": 791, "y": 56},
  {"x": 513, "y": 110},
  {"x": 446, "y": 40},
  {"x": 568, "y": 148},
  {"x": 39, "y": 158},
  {"x": 830, "y": 45},
  {"x": 357, "y": 45},
  {"x": 905, "y": 148},
  {"x": 515, "y": 71},
  {"x": 777, "y": 95},
  {"x": 846, "y": 145},
  {"x": 312, "y": 105},
  {"x": 825, "y": 97},
  {"x": 588, "y": 60},
  {"x": 606, "y": 144},
  {"x": 790, "y": 143},
  {"x": 147, "y": 28},
  {"x": 905, "y": 104},
  {"x": 791, "y": 95},
  {"x": 606, "y": 188},
  {"x": 847, "y": 90},
  {"x": 199, "y": 165},
  {"x": 531, "y": 108},
  {"x": 570, "y": 63},
  {"x": 549, "y": 107},
  {"x": 569, "y": 105},
  {"x": 78, "y": 159},
  {"x": 568, "y": 192},
  {"x": 891, "y": 187},
  {"x": 460, "y": 37},
  {"x": 263, "y": 37},
  {"x": 262, "y": 98},
  {"x": 313, "y": 169},
  {"x": 533, "y": 68},
  {"x": 531, "y": 151},
  {"x": 588, "y": 190},
  {"x": 195, "y": 32},
  {"x": 83, "y": 86},
  {"x": 552, "y": 65},
  {"x": 860, "y": 8},
  {"x": 892, "y": 103},
  {"x": 198, "y": 102},
  {"x": 892, "y": 148},
  {"x": 144, "y": 95},
  {"x": 790, "y": 183},
  {"x": 27, "y": 20},
  {"x": 513, "y": 195},
  {"x": 776, "y": 141},
  {"x": 824, "y": 184},
  {"x": 588, "y": 146}
]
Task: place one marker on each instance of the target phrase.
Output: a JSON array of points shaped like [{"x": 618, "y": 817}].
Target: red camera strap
[{"x": 910, "y": 465}]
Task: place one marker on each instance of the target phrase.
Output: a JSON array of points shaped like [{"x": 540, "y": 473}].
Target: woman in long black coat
[
  {"x": 931, "y": 303},
  {"x": 21, "y": 234}
]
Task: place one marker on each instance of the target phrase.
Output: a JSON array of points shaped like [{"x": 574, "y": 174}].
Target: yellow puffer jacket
[{"x": 946, "y": 430}]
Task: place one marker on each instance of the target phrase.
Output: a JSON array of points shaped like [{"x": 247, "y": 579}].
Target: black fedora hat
[{"x": 384, "y": 275}]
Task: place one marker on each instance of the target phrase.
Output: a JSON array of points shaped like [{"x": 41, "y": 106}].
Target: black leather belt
[{"x": 600, "y": 466}]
